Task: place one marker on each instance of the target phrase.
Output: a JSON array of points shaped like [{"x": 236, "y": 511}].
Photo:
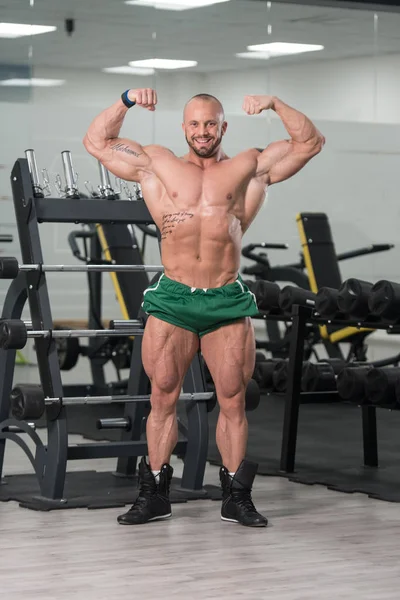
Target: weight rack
[
  {"x": 50, "y": 461},
  {"x": 294, "y": 396}
]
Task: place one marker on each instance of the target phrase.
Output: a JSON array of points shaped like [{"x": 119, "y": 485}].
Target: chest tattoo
[{"x": 171, "y": 220}]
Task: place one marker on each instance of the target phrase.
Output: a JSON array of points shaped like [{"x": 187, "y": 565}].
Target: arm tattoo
[
  {"x": 122, "y": 148},
  {"x": 171, "y": 220}
]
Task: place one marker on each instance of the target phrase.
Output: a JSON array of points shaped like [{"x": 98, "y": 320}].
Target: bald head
[
  {"x": 207, "y": 99},
  {"x": 204, "y": 124}
]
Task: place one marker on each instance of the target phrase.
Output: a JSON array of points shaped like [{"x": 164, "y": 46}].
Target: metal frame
[
  {"x": 294, "y": 397},
  {"x": 95, "y": 284},
  {"x": 56, "y": 210},
  {"x": 50, "y": 462}
]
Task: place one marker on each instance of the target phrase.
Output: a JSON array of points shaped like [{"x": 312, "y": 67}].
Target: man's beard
[{"x": 205, "y": 152}]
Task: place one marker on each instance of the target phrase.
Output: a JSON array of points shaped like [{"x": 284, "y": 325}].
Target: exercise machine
[{"x": 318, "y": 267}]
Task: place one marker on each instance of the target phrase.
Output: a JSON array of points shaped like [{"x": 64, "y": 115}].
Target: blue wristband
[{"x": 128, "y": 103}]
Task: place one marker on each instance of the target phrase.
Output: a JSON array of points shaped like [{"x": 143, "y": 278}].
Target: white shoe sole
[
  {"x": 229, "y": 520},
  {"x": 235, "y": 521},
  {"x": 160, "y": 518}
]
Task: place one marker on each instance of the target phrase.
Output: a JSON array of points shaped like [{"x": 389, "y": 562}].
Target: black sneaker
[
  {"x": 153, "y": 503},
  {"x": 237, "y": 505}
]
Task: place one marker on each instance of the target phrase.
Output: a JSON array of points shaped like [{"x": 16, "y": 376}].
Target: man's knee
[
  {"x": 164, "y": 398},
  {"x": 232, "y": 386},
  {"x": 232, "y": 407}
]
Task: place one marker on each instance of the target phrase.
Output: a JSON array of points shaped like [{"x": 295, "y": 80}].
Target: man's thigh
[
  {"x": 167, "y": 352},
  {"x": 230, "y": 356}
]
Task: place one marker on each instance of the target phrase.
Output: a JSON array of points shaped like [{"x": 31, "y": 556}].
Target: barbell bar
[
  {"x": 9, "y": 268},
  {"x": 91, "y": 268},
  {"x": 120, "y": 324},
  {"x": 14, "y": 333},
  {"x": 28, "y": 401},
  {"x": 88, "y": 400},
  {"x": 84, "y": 333}
]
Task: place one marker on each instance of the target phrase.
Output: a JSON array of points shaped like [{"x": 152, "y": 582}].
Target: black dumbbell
[
  {"x": 252, "y": 397},
  {"x": 27, "y": 402},
  {"x": 290, "y": 295},
  {"x": 384, "y": 301},
  {"x": 9, "y": 267},
  {"x": 326, "y": 303},
  {"x": 351, "y": 383},
  {"x": 264, "y": 373},
  {"x": 353, "y": 298},
  {"x": 280, "y": 375},
  {"x": 321, "y": 376},
  {"x": 380, "y": 385},
  {"x": 266, "y": 293},
  {"x": 13, "y": 334}
]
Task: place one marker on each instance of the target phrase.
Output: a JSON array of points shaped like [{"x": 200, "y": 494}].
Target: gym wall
[{"x": 351, "y": 99}]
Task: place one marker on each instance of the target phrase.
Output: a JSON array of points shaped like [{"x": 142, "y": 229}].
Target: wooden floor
[{"x": 320, "y": 545}]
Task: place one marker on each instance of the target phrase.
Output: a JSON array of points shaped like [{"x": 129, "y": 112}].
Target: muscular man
[{"x": 202, "y": 203}]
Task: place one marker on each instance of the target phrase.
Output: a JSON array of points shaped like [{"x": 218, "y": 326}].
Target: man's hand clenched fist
[
  {"x": 144, "y": 97},
  {"x": 254, "y": 105}
]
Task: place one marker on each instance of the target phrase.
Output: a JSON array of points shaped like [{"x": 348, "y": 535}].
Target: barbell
[
  {"x": 29, "y": 402},
  {"x": 14, "y": 333},
  {"x": 9, "y": 268}
]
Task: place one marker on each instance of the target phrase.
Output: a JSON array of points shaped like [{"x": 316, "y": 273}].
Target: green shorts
[{"x": 196, "y": 309}]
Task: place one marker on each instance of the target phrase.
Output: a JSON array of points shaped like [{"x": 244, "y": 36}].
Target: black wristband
[{"x": 128, "y": 103}]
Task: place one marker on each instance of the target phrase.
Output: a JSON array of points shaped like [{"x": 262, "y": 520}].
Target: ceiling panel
[{"x": 110, "y": 33}]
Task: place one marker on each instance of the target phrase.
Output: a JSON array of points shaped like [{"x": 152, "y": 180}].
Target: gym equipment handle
[
  {"x": 119, "y": 423},
  {"x": 372, "y": 249},
  {"x": 83, "y": 400},
  {"x": 87, "y": 268},
  {"x": 254, "y": 270},
  {"x": 247, "y": 250}
]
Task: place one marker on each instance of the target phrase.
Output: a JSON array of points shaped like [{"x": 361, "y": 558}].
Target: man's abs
[
  {"x": 199, "y": 214},
  {"x": 201, "y": 251}
]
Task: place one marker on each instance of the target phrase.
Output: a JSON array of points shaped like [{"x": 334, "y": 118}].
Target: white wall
[
  {"x": 356, "y": 90},
  {"x": 355, "y": 180}
]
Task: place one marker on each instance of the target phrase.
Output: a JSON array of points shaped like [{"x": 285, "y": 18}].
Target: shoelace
[
  {"x": 146, "y": 489},
  {"x": 243, "y": 499}
]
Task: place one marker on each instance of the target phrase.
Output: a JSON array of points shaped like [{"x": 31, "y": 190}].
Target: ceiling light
[
  {"x": 34, "y": 82},
  {"x": 282, "y": 49},
  {"x": 163, "y": 63},
  {"x": 127, "y": 70},
  {"x": 259, "y": 55},
  {"x": 15, "y": 30},
  {"x": 174, "y": 4}
]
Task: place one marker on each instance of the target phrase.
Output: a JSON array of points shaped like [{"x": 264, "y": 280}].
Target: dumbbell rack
[
  {"x": 50, "y": 461},
  {"x": 294, "y": 397}
]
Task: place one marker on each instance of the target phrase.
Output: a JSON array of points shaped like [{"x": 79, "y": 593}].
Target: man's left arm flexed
[{"x": 280, "y": 160}]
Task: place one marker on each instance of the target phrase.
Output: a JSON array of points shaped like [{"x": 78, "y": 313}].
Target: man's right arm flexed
[{"x": 123, "y": 157}]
